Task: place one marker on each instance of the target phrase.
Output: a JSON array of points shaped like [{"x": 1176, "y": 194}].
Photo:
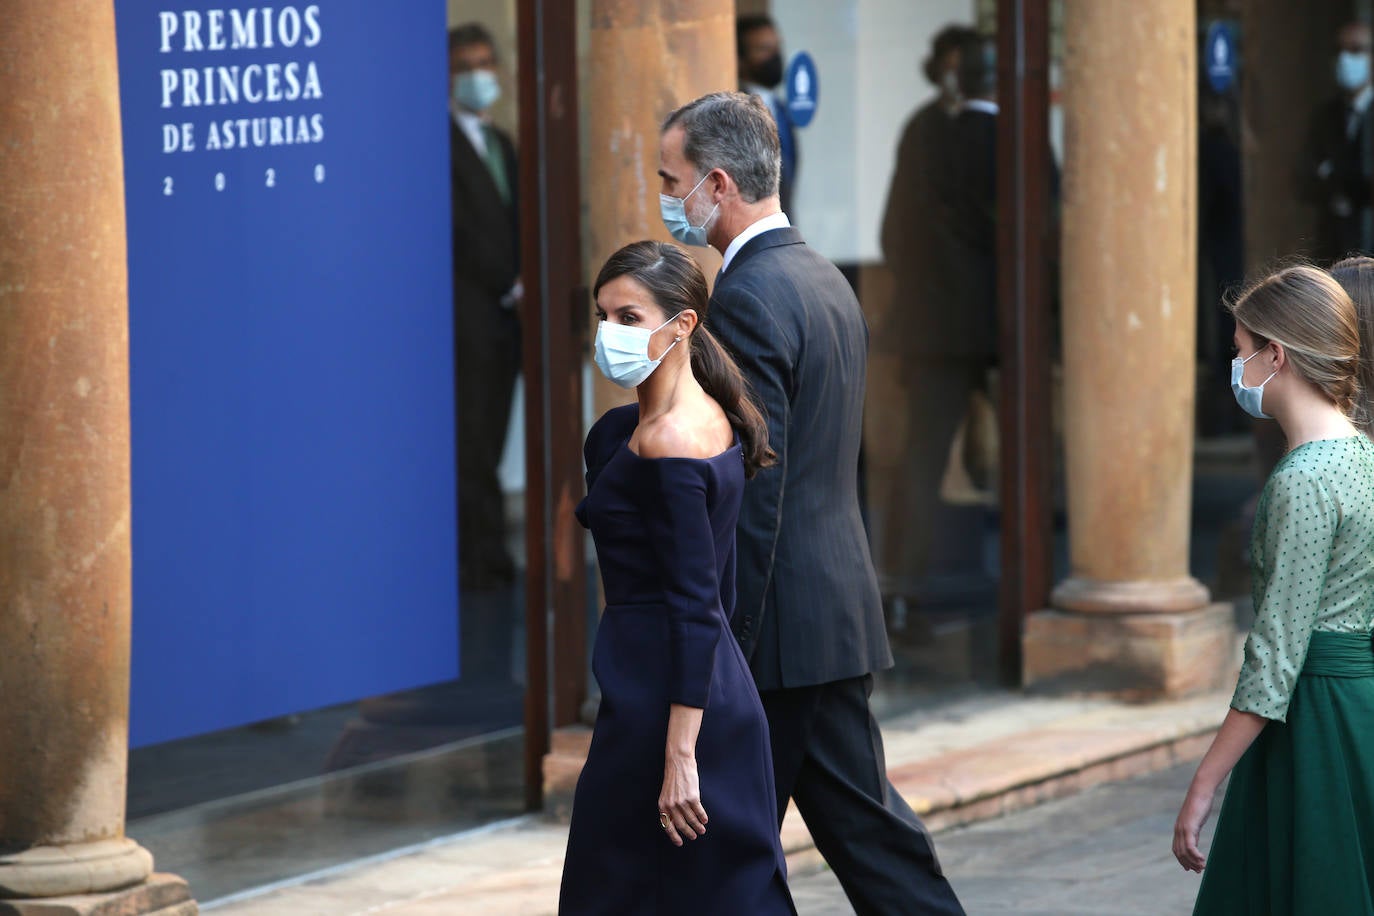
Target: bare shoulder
[{"x": 676, "y": 435}]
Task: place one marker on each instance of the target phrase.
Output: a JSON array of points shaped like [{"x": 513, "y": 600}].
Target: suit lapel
[
  {"x": 469, "y": 167},
  {"x": 773, "y": 238}
]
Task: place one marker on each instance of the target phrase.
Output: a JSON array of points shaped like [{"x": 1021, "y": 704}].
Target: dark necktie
[{"x": 496, "y": 162}]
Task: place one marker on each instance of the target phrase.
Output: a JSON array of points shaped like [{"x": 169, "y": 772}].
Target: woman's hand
[
  {"x": 680, "y": 799},
  {"x": 1238, "y": 731},
  {"x": 1197, "y": 805}
]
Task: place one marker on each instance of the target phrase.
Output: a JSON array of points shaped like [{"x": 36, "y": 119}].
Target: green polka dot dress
[{"x": 1296, "y": 830}]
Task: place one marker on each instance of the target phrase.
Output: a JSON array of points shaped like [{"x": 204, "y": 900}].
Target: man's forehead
[
  {"x": 762, "y": 35},
  {"x": 1355, "y": 33},
  {"x": 475, "y": 51},
  {"x": 670, "y": 148}
]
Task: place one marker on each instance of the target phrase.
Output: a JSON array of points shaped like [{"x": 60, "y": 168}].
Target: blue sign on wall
[
  {"x": 1219, "y": 56},
  {"x": 291, "y": 353},
  {"x": 803, "y": 89}
]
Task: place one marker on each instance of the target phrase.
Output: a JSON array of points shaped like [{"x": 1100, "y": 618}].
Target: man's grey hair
[{"x": 733, "y": 132}]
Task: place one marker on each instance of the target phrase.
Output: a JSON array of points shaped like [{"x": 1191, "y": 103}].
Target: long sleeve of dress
[
  {"x": 1291, "y": 549},
  {"x": 679, "y": 525}
]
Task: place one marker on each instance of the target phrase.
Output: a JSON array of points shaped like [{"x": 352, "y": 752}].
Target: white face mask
[
  {"x": 674, "y": 212},
  {"x": 622, "y": 352},
  {"x": 1352, "y": 70},
  {"x": 1250, "y": 398},
  {"x": 476, "y": 90}
]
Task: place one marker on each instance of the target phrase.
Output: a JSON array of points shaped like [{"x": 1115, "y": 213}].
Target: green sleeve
[{"x": 1291, "y": 551}]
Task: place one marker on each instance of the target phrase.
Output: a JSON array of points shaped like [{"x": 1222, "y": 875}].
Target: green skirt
[{"x": 1295, "y": 836}]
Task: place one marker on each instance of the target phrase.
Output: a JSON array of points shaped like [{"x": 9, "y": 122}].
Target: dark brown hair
[
  {"x": 1356, "y": 276},
  {"x": 1306, "y": 310},
  {"x": 677, "y": 283}
]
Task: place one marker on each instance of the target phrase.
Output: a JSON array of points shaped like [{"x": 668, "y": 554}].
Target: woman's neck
[
  {"x": 1310, "y": 417},
  {"x": 662, "y": 390}
]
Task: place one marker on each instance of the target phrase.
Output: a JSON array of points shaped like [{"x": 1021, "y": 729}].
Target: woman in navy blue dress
[{"x": 675, "y": 809}]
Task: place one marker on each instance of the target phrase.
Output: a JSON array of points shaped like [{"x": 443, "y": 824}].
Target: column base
[
  {"x": 1110, "y": 597},
  {"x": 160, "y": 895},
  {"x": 1135, "y": 657},
  {"x": 80, "y": 868}
]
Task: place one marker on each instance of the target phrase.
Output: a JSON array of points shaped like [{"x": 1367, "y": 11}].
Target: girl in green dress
[{"x": 1296, "y": 830}]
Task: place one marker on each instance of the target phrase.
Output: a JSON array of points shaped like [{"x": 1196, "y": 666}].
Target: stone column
[
  {"x": 1130, "y": 619},
  {"x": 643, "y": 59},
  {"x": 64, "y": 475},
  {"x": 646, "y": 57}
]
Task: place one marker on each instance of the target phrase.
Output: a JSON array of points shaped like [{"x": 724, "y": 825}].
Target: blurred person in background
[
  {"x": 1337, "y": 170},
  {"x": 486, "y": 294},
  {"x": 759, "y": 47},
  {"x": 1356, "y": 277},
  {"x": 938, "y": 238}
]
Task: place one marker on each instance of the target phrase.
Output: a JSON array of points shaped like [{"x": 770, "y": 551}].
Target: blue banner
[{"x": 291, "y": 354}]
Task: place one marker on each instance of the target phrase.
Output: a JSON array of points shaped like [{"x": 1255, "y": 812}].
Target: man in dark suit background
[
  {"x": 486, "y": 292},
  {"x": 1340, "y": 153},
  {"x": 808, "y": 616},
  {"x": 758, "y": 47},
  {"x": 486, "y": 328}
]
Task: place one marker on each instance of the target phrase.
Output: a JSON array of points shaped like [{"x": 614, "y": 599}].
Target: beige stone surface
[
  {"x": 65, "y": 565},
  {"x": 160, "y": 895},
  {"x": 1129, "y": 253},
  {"x": 647, "y": 57},
  {"x": 64, "y": 429},
  {"x": 1133, "y": 656},
  {"x": 971, "y": 760}
]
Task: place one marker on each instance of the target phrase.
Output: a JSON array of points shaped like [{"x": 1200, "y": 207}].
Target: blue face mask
[
  {"x": 622, "y": 352},
  {"x": 1249, "y": 399},
  {"x": 674, "y": 210},
  {"x": 476, "y": 90},
  {"x": 1352, "y": 70}
]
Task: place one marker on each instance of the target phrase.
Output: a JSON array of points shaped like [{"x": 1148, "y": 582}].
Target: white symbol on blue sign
[
  {"x": 803, "y": 89},
  {"x": 1220, "y": 56}
]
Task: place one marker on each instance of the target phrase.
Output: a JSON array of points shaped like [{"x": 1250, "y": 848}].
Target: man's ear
[{"x": 721, "y": 185}]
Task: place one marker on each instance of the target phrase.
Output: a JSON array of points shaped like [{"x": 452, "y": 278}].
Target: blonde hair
[
  {"x": 1356, "y": 275},
  {"x": 1303, "y": 309}
]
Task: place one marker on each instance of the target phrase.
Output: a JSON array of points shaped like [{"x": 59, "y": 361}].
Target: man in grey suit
[{"x": 808, "y": 615}]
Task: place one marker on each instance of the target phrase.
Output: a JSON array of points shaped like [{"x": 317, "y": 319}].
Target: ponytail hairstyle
[
  {"x": 676, "y": 283},
  {"x": 1356, "y": 276},
  {"x": 1306, "y": 311}
]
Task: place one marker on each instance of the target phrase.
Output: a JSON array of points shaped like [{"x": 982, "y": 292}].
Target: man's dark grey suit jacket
[{"x": 809, "y": 611}]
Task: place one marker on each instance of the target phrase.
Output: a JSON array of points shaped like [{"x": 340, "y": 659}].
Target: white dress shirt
[
  {"x": 471, "y": 126},
  {"x": 776, "y": 221},
  {"x": 987, "y": 106}
]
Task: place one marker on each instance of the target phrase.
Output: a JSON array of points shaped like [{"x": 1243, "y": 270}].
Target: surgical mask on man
[
  {"x": 622, "y": 352},
  {"x": 674, "y": 212},
  {"x": 768, "y": 73},
  {"x": 1250, "y": 399},
  {"x": 1352, "y": 70},
  {"x": 476, "y": 90}
]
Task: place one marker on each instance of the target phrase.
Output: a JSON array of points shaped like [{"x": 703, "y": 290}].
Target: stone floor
[
  {"x": 1105, "y": 851},
  {"x": 980, "y": 759}
]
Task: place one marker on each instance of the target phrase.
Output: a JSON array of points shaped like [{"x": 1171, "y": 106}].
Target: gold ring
[{"x": 663, "y": 819}]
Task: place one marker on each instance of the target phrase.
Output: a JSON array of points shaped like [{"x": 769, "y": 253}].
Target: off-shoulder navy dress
[{"x": 665, "y": 538}]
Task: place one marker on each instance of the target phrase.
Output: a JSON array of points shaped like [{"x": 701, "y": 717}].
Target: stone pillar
[
  {"x": 64, "y": 475},
  {"x": 646, "y": 57},
  {"x": 1130, "y": 620},
  {"x": 643, "y": 59}
]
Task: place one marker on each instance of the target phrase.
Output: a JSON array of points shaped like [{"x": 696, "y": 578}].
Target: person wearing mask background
[
  {"x": 1340, "y": 154},
  {"x": 486, "y": 293},
  {"x": 759, "y": 47},
  {"x": 937, "y": 231}
]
